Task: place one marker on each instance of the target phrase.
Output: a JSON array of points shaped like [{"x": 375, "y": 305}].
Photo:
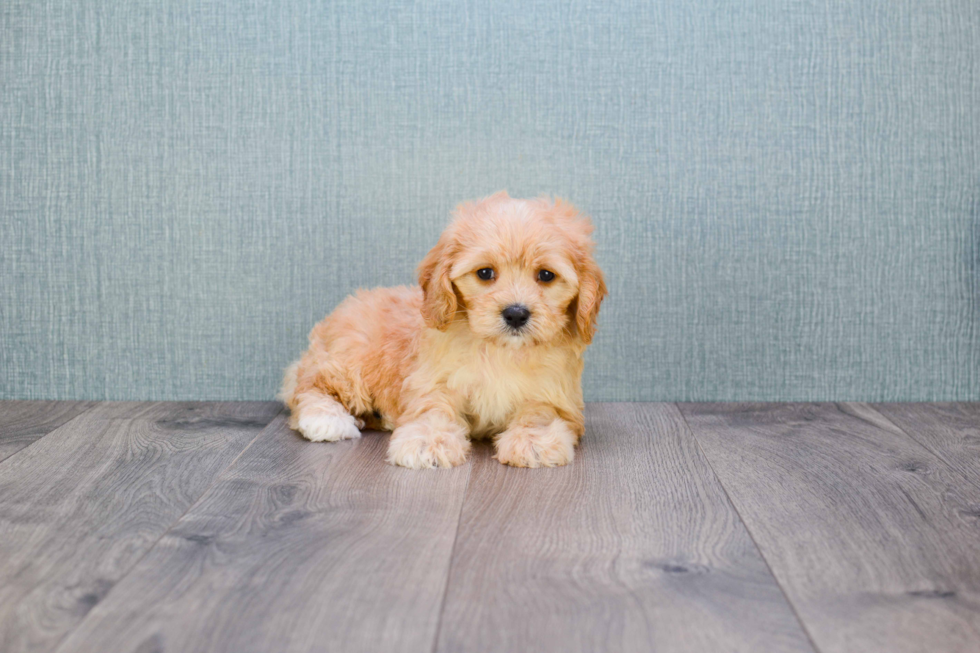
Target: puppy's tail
[{"x": 287, "y": 394}]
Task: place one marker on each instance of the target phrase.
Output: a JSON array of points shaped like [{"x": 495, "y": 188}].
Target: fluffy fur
[{"x": 437, "y": 363}]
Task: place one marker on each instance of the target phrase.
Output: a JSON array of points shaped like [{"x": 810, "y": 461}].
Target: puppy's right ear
[{"x": 439, "y": 301}]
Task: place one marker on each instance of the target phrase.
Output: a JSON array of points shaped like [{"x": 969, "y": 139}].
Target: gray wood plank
[
  {"x": 23, "y": 422},
  {"x": 949, "y": 430},
  {"x": 299, "y": 546},
  {"x": 873, "y": 538},
  {"x": 634, "y": 547},
  {"x": 80, "y": 507}
]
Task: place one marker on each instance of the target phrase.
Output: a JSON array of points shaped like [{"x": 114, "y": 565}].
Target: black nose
[{"x": 516, "y": 316}]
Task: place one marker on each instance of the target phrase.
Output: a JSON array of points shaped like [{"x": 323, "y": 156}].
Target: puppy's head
[{"x": 517, "y": 271}]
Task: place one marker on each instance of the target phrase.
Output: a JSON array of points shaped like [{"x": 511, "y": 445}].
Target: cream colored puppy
[{"x": 490, "y": 345}]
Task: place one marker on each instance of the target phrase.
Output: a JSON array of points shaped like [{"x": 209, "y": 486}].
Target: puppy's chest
[{"x": 492, "y": 387}]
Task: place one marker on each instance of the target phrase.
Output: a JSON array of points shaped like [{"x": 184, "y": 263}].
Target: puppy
[{"x": 489, "y": 345}]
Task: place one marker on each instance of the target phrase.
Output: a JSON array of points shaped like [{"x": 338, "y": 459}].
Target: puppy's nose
[{"x": 516, "y": 316}]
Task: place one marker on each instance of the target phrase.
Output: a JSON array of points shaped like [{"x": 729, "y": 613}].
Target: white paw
[
  {"x": 536, "y": 446},
  {"x": 420, "y": 446},
  {"x": 324, "y": 427}
]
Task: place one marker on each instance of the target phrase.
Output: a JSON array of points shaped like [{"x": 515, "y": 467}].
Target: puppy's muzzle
[{"x": 516, "y": 316}]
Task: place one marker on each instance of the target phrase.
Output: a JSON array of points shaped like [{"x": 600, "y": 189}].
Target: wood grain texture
[
  {"x": 949, "y": 430},
  {"x": 634, "y": 547},
  {"x": 23, "y": 422},
  {"x": 873, "y": 538},
  {"x": 82, "y": 505},
  {"x": 299, "y": 547}
]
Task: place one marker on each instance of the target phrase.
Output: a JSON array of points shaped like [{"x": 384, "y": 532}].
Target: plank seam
[
  {"x": 938, "y": 454},
  {"x": 94, "y": 405},
  {"x": 789, "y": 601},
  {"x": 452, "y": 556},
  {"x": 169, "y": 528}
]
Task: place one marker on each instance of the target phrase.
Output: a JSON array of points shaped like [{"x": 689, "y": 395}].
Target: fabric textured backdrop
[{"x": 786, "y": 193}]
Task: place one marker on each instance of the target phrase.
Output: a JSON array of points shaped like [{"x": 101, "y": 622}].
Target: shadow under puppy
[{"x": 490, "y": 345}]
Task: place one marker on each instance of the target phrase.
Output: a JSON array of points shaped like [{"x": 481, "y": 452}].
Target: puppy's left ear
[
  {"x": 439, "y": 297},
  {"x": 591, "y": 291},
  {"x": 591, "y": 284}
]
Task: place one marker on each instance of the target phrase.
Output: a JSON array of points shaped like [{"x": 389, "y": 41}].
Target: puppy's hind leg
[
  {"x": 322, "y": 419},
  {"x": 316, "y": 414}
]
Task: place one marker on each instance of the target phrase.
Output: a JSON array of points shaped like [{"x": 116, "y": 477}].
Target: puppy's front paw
[
  {"x": 419, "y": 445},
  {"x": 536, "y": 446},
  {"x": 327, "y": 427}
]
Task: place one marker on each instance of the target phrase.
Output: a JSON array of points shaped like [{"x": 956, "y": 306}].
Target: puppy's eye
[
  {"x": 546, "y": 276},
  {"x": 485, "y": 273}
]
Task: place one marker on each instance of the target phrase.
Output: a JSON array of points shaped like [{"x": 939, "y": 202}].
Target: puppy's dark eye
[
  {"x": 485, "y": 273},
  {"x": 546, "y": 276}
]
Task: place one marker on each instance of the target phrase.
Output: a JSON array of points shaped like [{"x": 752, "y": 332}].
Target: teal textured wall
[{"x": 786, "y": 193}]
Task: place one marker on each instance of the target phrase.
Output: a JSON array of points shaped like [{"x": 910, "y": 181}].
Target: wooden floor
[{"x": 152, "y": 527}]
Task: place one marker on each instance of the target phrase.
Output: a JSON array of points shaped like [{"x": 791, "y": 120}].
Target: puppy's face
[{"x": 519, "y": 272}]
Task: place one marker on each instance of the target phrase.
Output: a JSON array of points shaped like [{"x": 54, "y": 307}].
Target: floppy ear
[
  {"x": 591, "y": 291},
  {"x": 439, "y": 296},
  {"x": 591, "y": 284}
]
